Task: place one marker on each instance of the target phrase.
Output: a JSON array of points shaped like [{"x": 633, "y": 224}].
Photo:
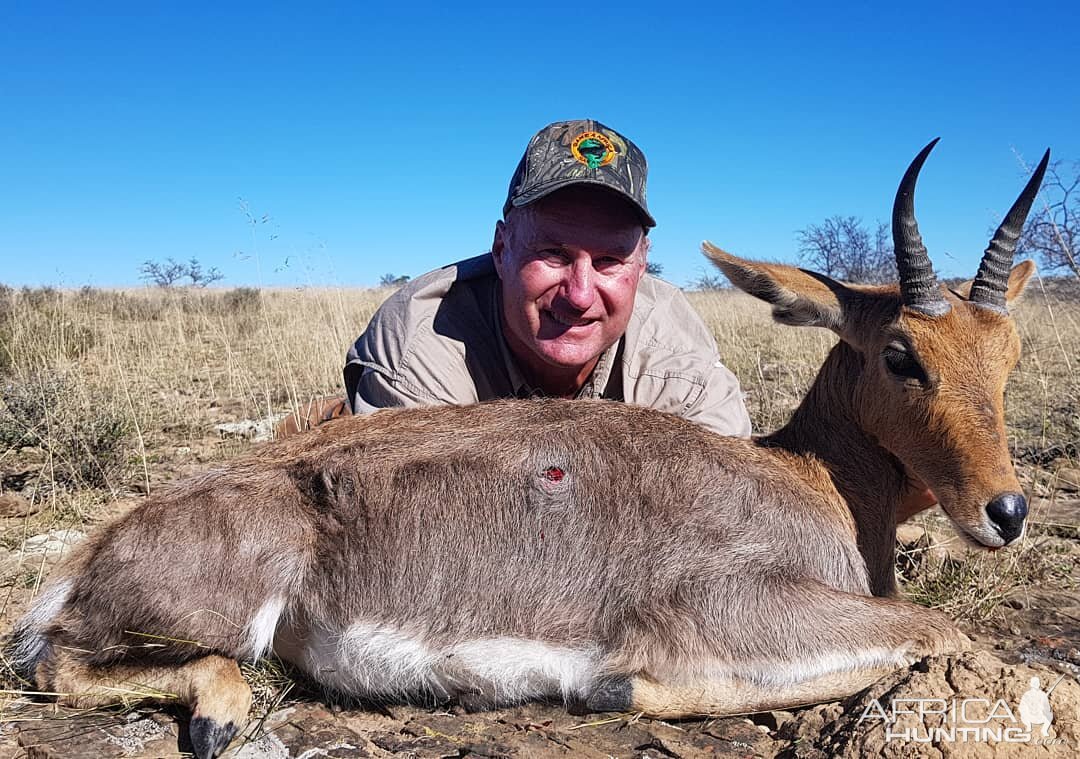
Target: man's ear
[
  {"x": 498, "y": 246},
  {"x": 798, "y": 297},
  {"x": 1018, "y": 279},
  {"x": 643, "y": 264}
]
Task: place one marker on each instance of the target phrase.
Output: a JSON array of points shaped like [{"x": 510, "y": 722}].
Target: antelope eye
[{"x": 902, "y": 364}]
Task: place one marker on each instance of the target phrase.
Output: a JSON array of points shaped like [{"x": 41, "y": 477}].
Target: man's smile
[{"x": 566, "y": 321}]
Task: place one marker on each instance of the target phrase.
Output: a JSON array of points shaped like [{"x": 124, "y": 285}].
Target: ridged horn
[
  {"x": 918, "y": 285},
  {"x": 992, "y": 281}
]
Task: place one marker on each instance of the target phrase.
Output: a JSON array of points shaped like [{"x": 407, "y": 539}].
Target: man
[{"x": 561, "y": 306}]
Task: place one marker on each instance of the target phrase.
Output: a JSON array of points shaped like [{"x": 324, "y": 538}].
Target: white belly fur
[{"x": 385, "y": 662}]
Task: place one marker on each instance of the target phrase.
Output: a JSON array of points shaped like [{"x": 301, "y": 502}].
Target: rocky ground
[{"x": 853, "y": 728}]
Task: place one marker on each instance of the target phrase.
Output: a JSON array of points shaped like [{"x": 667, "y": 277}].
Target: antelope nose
[{"x": 1007, "y": 512}]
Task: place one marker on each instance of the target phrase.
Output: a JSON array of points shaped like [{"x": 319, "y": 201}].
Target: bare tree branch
[
  {"x": 171, "y": 272},
  {"x": 161, "y": 274},
  {"x": 842, "y": 248},
  {"x": 1053, "y": 229}
]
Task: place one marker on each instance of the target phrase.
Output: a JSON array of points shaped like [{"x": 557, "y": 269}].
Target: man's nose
[{"x": 579, "y": 289}]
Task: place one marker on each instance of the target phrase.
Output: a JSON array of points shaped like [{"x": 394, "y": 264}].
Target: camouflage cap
[{"x": 580, "y": 152}]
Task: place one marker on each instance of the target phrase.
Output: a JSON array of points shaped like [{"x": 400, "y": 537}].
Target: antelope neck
[{"x": 824, "y": 429}]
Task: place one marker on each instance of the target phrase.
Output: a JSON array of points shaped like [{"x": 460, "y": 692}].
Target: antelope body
[{"x": 605, "y": 555}]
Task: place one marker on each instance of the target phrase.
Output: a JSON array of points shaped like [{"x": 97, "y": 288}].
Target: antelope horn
[
  {"x": 918, "y": 286},
  {"x": 992, "y": 281}
]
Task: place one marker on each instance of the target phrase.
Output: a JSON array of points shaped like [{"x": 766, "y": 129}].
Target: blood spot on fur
[{"x": 554, "y": 474}]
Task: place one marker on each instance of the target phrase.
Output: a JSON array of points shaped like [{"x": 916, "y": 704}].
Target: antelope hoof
[
  {"x": 952, "y": 641},
  {"x": 614, "y": 695},
  {"x": 947, "y": 641},
  {"x": 209, "y": 738},
  {"x": 961, "y": 643}
]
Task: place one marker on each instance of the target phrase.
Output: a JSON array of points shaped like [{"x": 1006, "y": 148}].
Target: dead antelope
[{"x": 609, "y": 556}]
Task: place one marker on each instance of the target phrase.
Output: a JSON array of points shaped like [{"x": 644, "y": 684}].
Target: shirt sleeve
[
  {"x": 369, "y": 388},
  {"x": 392, "y": 367},
  {"x": 673, "y": 364},
  {"x": 720, "y": 405}
]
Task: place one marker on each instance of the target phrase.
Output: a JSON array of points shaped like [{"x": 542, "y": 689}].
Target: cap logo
[{"x": 593, "y": 149}]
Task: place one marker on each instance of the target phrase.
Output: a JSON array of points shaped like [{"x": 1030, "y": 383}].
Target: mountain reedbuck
[{"x": 608, "y": 556}]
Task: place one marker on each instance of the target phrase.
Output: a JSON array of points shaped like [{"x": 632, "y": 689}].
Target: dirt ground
[{"x": 854, "y": 728}]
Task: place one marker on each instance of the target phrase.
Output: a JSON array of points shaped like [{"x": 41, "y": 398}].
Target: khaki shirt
[{"x": 438, "y": 340}]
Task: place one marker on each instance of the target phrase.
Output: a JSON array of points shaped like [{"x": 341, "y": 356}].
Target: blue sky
[{"x": 382, "y": 140}]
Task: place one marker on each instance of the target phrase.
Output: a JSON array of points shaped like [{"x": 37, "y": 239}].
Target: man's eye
[
  {"x": 606, "y": 262},
  {"x": 555, "y": 255}
]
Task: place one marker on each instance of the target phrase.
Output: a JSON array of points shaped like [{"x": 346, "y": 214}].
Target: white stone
[{"x": 54, "y": 541}]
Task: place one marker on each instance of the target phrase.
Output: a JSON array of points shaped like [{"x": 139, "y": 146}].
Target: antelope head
[{"x": 929, "y": 380}]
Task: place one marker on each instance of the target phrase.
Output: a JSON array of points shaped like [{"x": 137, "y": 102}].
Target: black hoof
[
  {"x": 612, "y": 695},
  {"x": 208, "y": 738}
]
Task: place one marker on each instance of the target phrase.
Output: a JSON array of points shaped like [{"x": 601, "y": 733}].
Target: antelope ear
[
  {"x": 800, "y": 298},
  {"x": 1018, "y": 279}
]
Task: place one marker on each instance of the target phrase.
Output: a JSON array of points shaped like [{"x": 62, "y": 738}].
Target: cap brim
[{"x": 539, "y": 192}]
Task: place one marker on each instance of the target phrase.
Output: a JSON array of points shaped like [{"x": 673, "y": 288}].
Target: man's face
[{"x": 570, "y": 265}]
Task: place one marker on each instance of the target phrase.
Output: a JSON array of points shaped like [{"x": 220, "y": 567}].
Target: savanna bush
[
  {"x": 243, "y": 300},
  {"x": 86, "y": 438}
]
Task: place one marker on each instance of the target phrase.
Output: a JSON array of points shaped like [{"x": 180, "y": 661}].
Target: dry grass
[
  {"x": 939, "y": 570},
  {"x": 108, "y": 393}
]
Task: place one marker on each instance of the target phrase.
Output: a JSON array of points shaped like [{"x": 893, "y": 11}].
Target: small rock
[
  {"x": 952, "y": 547},
  {"x": 255, "y": 430},
  {"x": 88, "y": 736},
  {"x": 306, "y": 730},
  {"x": 10, "y": 561},
  {"x": 1040, "y": 488},
  {"x": 54, "y": 541},
  {"x": 15, "y": 505},
  {"x": 246, "y": 429},
  {"x": 1067, "y": 478},
  {"x": 773, "y": 720},
  {"x": 769, "y": 371},
  {"x": 910, "y": 534},
  {"x": 266, "y": 746}
]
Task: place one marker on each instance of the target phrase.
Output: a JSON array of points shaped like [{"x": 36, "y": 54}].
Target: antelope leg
[
  {"x": 211, "y": 686},
  {"x": 804, "y": 644}
]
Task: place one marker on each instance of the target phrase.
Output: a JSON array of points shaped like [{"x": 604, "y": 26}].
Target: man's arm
[
  {"x": 369, "y": 388},
  {"x": 673, "y": 363},
  {"x": 720, "y": 406},
  {"x": 414, "y": 350}
]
